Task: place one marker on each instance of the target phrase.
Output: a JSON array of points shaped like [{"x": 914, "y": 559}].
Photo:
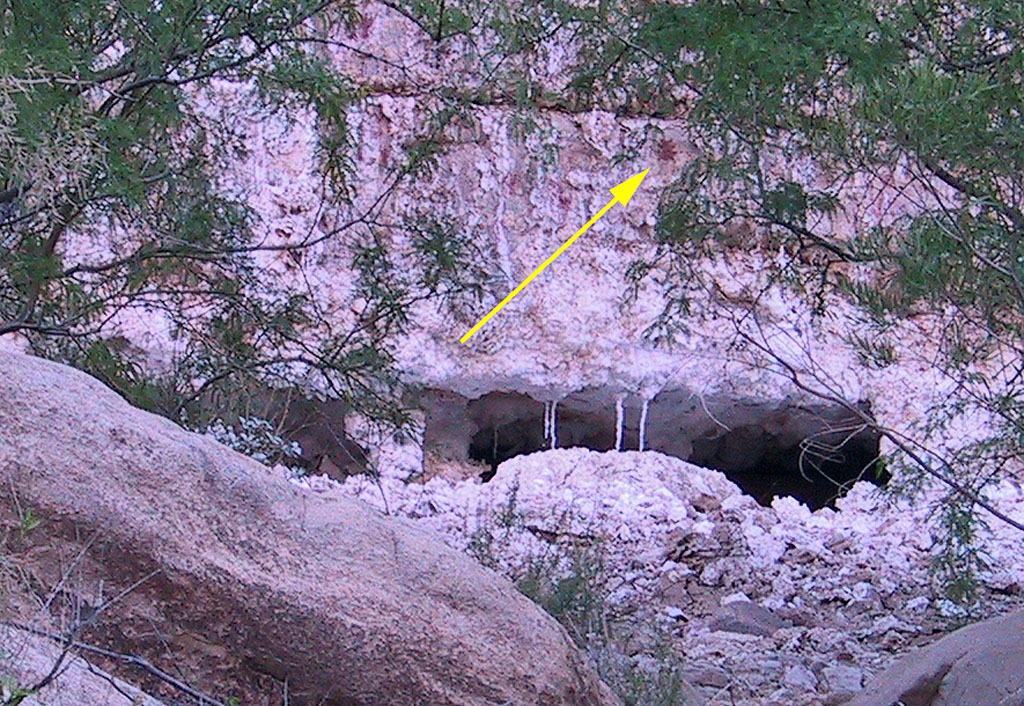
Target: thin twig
[{"x": 134, "y": 660}]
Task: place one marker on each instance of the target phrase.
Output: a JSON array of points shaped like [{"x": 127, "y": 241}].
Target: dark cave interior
[{"x": 811, "y": 453}]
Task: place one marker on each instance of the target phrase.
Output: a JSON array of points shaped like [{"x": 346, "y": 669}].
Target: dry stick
[
  {"x": 66, "y": 575},
  {"x": 892, "y": 436},
  {"x": 68, "y": 640},
  {"x": 100, "y": 674},
  {"x": 55, "y": 671},
  {"x": 134, "y": 660},
  {"x": 106, "y": 604}
]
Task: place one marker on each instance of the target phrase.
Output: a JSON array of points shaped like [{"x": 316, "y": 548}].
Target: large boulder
[
  {"x": 245, "y": 580},
  {"x": 979, "y": 665}
]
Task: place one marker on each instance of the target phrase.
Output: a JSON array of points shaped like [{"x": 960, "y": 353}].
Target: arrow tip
[{"x": 624, "y": 191}]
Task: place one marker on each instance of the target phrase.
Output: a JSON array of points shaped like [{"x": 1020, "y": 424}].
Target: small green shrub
[
  {"x": 569, "y": 580},
  {"x": 574, "y": 596},
  {"x": 258, "y": 439},
  {"x": 571, "y": 585}
]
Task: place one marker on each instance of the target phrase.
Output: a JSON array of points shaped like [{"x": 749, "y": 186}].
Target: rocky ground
[
  {"x": 762, "y": 605},
  {"x": 265, "y": 584},
  {"x": 162, "y": 547}
]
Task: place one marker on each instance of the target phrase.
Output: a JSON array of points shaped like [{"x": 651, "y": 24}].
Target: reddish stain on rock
[{"x": 667, "y": 151}]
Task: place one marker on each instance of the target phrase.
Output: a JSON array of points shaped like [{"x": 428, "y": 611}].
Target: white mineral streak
[
  {"x": 620, "y": 420},
  {"x": 643, "y": 422},
  {"x": 547, "y": 421},
  {"x": 502, "y": 245}
]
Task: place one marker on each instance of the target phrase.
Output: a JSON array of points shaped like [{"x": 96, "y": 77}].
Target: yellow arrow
[{"x": 621, "y": 193}]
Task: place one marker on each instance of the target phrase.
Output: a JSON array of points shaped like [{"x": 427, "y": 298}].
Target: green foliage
[
  {"x": 655, "y": 681},
  {"x": 487, "y": 543},
  {"x": 878, "y": 353},
  {"x": 575, "y": 598},
  {"x": 107, "y": 133},
  {"x": 958, "y": 560},
  {"x": 12, "y": 694},
  {"x": 117, "y": 125},
  {"x": 29, "y": 521},
  {"x": 454, "y": 266},
  {"x": 569, "y": 581},
  {"x": 790, "y": 103},
  {"x": 854, "y": 87},
  {"x": 786, "y": 203},
  {"x": 259, "y": 439},
  {"x": 570, "y": 584}
]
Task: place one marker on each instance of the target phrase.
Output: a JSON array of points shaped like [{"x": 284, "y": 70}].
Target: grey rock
[
  {"x": 843, "y": 678},
  {"x": 708, "y": 676},
  {"x": 799, "y": 676},
  {"x": 780, "y": 697},
  {"x": 979, "y": 665},
  {"x": 747, "y": 618}
]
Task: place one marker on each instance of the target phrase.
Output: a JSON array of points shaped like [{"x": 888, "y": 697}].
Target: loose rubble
[{"x": 766, "y": 605}]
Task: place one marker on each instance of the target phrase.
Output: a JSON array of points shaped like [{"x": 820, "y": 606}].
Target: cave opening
[
  {"x": 815, "y": 469},
  {"x": 812, "y": 453}
]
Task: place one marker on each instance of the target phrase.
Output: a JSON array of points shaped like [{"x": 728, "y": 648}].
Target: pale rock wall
[{"x": 520, "y": 199}]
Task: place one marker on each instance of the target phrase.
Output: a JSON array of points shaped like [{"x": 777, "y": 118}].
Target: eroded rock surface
[
  {"x": 243, "y": 576},
  {"x": 979, "y": 665}
]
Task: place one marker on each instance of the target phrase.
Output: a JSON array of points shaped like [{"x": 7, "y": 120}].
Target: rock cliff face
[
  {"x": 228, "y": 571},
  {"x": 567, "y": 365},
  {"x": 568, "y": 336}
]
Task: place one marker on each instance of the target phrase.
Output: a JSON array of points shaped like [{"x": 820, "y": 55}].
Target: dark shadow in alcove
[
  {"x": 510, "y": 425},
  {"x": 813, "y": 456},
  {"x": 815, "y": 470}
]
